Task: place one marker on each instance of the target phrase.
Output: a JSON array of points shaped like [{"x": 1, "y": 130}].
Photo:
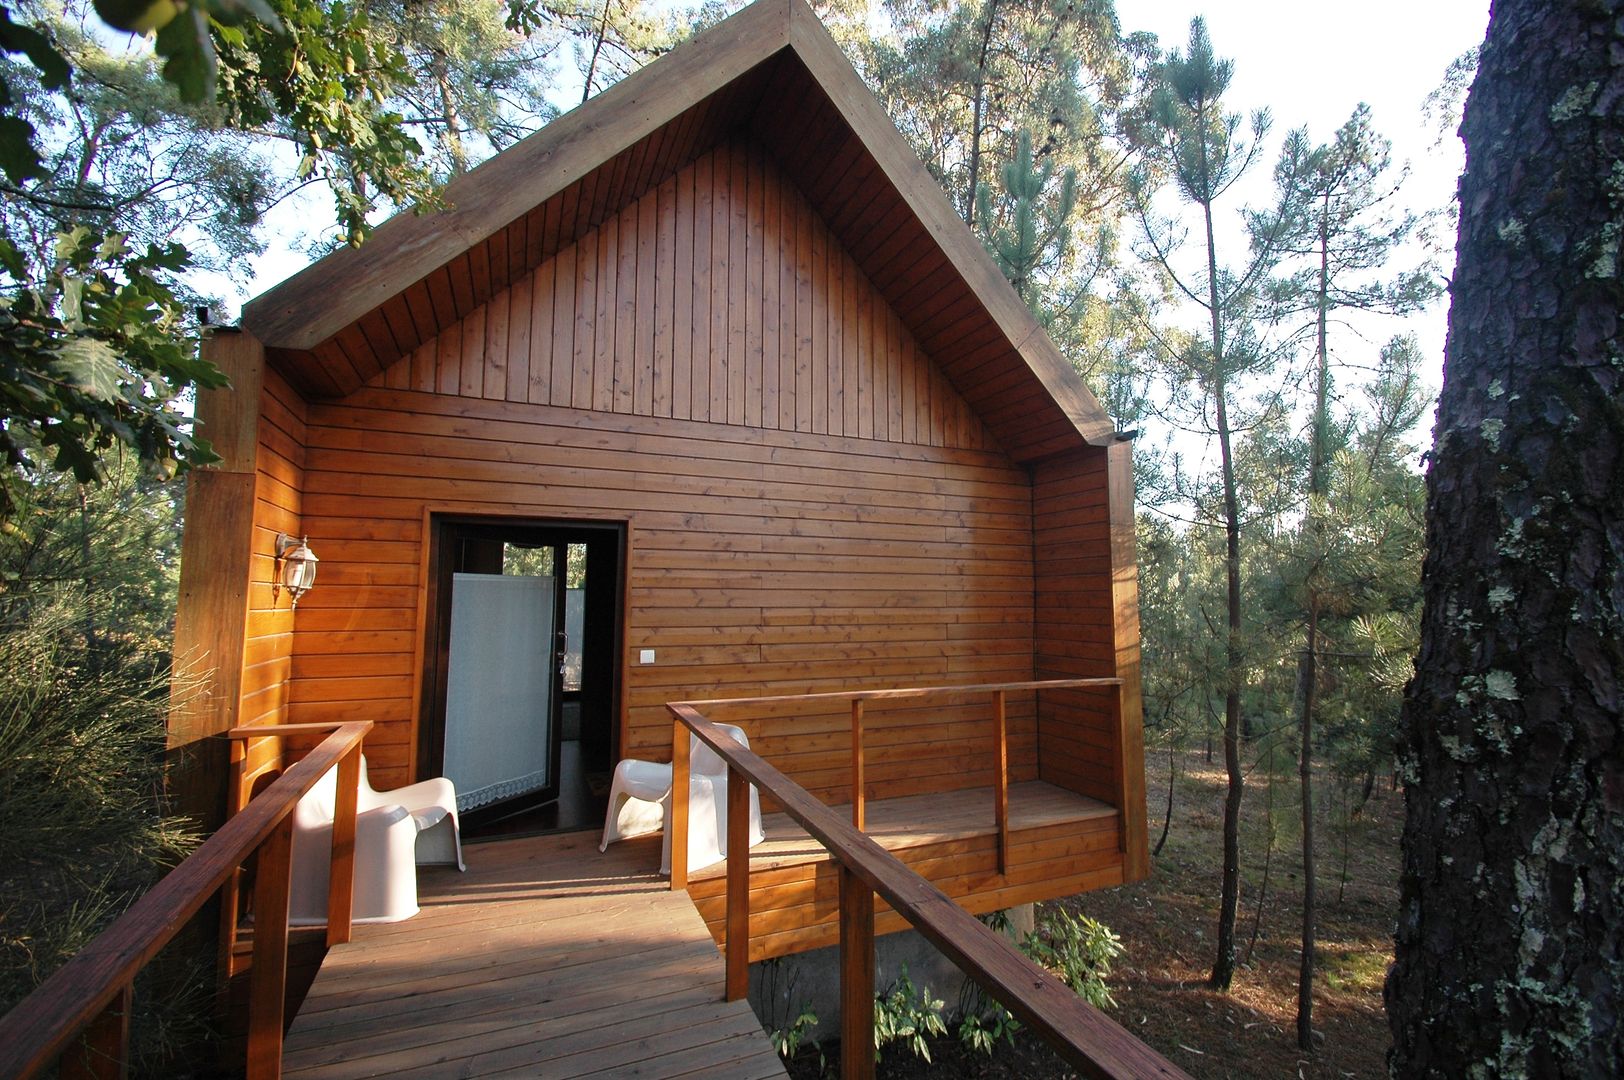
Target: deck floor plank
[
  {"x": 550, "y": 959},
  {"x": 546, "y": 958}
]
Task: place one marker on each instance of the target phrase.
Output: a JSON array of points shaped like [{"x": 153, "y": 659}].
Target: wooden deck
[
  {"x": 1060, "y": 843},
  {"x": 546, "y": 959}
]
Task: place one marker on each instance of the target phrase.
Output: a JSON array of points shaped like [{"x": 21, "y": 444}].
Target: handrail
[
  {"x": 906, "y": 692},
  {"x": 91, "y": 990},
  {"x": 1085, "y": 1037},
  {"x": 999, "y": 693}
]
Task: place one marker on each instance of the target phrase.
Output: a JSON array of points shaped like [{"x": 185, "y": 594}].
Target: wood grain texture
[
  {"x": 216, "y": 559},
  {"x": 545, "y": 959},
  {"x": 1077, "y": 628},
  {"x": 856, "y": 977},
  {"x": 1056, "y": 838},
  {"x": 769, "y": 559},
  {"x": 1125, "y": 619},
  {"x": 327, "y": 297},
  {"x": 737, "y": 945}
]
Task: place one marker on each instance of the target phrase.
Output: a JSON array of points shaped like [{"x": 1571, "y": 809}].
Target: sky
[{"x": 1311, "y": 64}]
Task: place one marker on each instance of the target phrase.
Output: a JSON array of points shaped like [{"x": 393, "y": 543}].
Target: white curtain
[{"x": 499, "y": 689}]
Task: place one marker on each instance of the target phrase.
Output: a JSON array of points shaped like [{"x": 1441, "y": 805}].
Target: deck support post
[
  {"x": 857, "y": 785},
  {"x": 856, "y": 977},
  {"x": 102, "y": 1051},
  {"x": 267, "y": 982},
  {"x": 679, "y": 806},
  {"x": 738, "y": 885},
  {"x": 341, "y": 873},
  {"x": 1000, "y": 726}
]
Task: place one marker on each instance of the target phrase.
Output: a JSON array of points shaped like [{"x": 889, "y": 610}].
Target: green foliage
[
  {"x": 908, "y": 1014},
  {"x": 94, "y": 354},
  {"x": 82, "y": 830},
  {"x": 982, "y": 1031},
  {"x": 1078, "y": 949},
  {"x": 323, "y": 76},
  {"x": 789, "y": 1040},
  {"x": 116, "y": 544},
  {"x": 1037, "y": 234},
  {"x": 87, "y": 596}
]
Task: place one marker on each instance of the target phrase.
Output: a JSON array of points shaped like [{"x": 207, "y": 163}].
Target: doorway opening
[{"x": 521, "y": 700}]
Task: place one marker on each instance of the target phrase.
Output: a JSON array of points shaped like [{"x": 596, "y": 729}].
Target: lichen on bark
[{"x": 1508, "y": 950}]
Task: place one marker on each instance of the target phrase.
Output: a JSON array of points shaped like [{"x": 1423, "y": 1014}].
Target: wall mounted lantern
[{"x": 295, "y": 567}]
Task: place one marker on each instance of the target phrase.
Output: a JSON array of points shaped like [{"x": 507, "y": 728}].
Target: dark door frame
[{"x": 437, "y": 621}]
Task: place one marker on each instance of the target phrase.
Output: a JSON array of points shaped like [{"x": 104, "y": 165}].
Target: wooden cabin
[{"x": 716, "y": 343}]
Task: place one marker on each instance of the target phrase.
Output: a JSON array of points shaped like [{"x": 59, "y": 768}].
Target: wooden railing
[
  {"x": 80, "y": 1016},
  {"x": 996, "y": 692},
  {"x": 1086, "y": 1038}
]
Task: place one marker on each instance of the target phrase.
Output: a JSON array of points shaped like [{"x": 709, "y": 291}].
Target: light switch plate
[{"x": 645, "y": 656}]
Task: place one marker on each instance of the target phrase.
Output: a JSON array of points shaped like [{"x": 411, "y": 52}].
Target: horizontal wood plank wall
[
  {"x": 812, "y": 506},
  {"x": 794, "y": 904},
  {"x": 1075, "y": 631},
  {"x": 268, "y": 656}
]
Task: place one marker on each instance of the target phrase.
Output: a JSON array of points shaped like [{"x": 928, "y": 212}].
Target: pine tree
[
  {"x": 1038, "y": 231},
  {"x": 1199, "y": 145},
  {"x": 1345, "y": 234}
]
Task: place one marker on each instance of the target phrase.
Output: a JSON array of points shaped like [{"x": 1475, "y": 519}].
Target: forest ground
[{"x": 1167, "y": 926}]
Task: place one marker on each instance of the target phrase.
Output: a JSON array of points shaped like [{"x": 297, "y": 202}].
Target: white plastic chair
[
  {"x": 640, "y": 803},
  {"x": 394, "y": 832}
]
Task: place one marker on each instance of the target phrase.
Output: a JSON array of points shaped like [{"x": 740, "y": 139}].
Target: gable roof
[{"x": 769, "y": 73}]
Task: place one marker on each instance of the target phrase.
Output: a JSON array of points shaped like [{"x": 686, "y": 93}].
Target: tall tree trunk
[
  {"x": 597, "y": 50},
  {"x": 989, "y": 21},
  {"x": 1510, "y": 942},
  {"x": 1172, "y": 781},
  {"x": 1223, "y": 968},
  {"x": 1308, "y": 663},
  {"x": 450, "y": 118}
]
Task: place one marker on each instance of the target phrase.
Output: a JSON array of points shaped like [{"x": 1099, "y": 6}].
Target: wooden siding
[
  {"x": 811, "y": 506},
  {"x": 719, "y": 296},
  {"x": 1074, "y": 622},
  {"x": 268, "y": 652},
  {"x": 1060, "y": 843}
]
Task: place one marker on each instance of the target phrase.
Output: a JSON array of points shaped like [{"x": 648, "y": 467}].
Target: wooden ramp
[{"x": 545, "y": 959}]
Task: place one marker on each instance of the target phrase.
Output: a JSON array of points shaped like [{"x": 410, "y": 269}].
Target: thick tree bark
[{"x": 1509, "y": 959}]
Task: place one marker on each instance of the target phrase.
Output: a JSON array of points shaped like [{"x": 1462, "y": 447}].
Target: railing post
[
  {"x": 341, "y": 872},
  {"x": 102, "y": 1051},
  {"x": 1119, "y": 775},
  {"x": 857, "y": 786},
  {"x": 679, "y": 806},
  {"x": 738, "y": 885},
  {"x": 231, "y": 891},
  {"x": 267, "y": 982},
  {"x": 856, "y": 977},
  {"x": 1001, "y": 797}
]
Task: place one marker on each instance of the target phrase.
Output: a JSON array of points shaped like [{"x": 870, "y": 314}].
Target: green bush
[
  {"x": 86, "y": 602},
  {"x": 907, "y": 1014},
  {"x": 1078, "y": 949}
]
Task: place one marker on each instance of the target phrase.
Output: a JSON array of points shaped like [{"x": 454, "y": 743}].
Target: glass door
[{"x": 502, "y": 647}]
